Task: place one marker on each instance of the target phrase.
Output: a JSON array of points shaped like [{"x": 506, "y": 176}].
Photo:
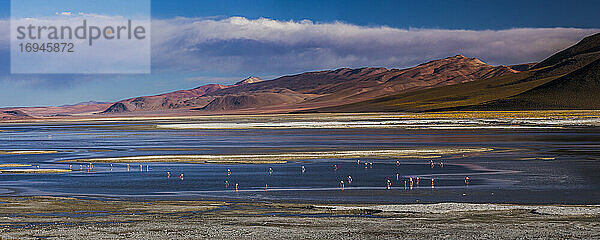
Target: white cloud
[
  {"x": 267, "y": 46},
  {"x": 238, "y": 46}
]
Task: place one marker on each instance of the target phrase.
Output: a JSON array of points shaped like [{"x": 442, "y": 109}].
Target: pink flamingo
[
  {"x": 389, "y": 184},
  {"x": 342, "y": 185}
]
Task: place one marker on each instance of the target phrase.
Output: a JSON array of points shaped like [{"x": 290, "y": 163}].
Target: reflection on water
[{"x": 529, "y": 164}]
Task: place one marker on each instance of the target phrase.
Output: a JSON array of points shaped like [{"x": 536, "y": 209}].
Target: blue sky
[{"x": 224, "y": 41}]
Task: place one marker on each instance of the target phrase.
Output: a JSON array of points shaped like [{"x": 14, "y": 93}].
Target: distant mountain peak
[
  {"x": 457, "y": 59},
  {"x": 249, "y": 80}
]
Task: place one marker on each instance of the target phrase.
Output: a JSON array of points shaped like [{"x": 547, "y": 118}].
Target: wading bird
[
  {"x": 349, "y": 179},
  {"x": 342, "y": 185},
  {"x": 467, "y": 180},
  {"x": 389, "y": 184},
  {"x": 303, "y": 169},
  {"x": 181, "y": 176}
]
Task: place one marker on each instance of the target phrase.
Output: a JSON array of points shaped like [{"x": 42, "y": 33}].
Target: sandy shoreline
[{"x": 71, "y": 218}]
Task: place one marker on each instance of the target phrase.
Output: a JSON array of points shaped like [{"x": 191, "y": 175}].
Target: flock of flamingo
[{"x": 408, "y": 184}]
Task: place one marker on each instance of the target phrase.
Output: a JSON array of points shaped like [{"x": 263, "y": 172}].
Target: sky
[{"x": 198, "y": 42}]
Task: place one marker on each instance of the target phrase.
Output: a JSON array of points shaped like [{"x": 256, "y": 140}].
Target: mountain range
[{"x": 569, "y": 79}]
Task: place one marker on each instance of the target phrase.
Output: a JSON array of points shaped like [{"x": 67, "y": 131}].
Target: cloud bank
[
  {"x": 238, "y": 46},
  {"x": 266, "y": 46}
]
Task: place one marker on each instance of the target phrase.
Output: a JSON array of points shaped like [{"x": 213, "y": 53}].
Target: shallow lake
[{"x": 527, "y": 162}]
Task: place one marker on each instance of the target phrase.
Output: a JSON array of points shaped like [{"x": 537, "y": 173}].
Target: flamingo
[
  {"x": 141, "y": 169},
  {"x": 349, "y": 179},
  {"x": 467, "y": 180},
  {"x": 266, "y": 185},
  {"x": 226, "y": 184},
  {"x": 432, "y": 186},
  {"x": 335, "y": 168},
  {"x": 181, "y": 176},
  {"x": 168, "y": 174},
  {"x": 397, "y": 163},
  {"x": 303, "y": 169},
  {"x": 128, "y": 167},
  {"x": 397, "y": 177},
  {"x": 270, "y": 171},
  {"x": 236, "y": 187},
  {"x": 389, "y": 184},
  {"x": 417, "y": 181},
  {"x": 228, "y": 172},
  {"x": 342, "y": 185}
]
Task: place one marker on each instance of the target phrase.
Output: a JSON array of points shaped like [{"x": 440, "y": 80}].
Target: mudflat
[{"x": 73, "y": 218}]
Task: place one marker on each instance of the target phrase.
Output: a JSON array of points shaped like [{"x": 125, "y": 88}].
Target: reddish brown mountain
[
  {"x": 174, "y": 100},
  {"x": 85, "y": 108},
  {"x": 316, "y": 89},
  {"x": 9, "y": 115}
]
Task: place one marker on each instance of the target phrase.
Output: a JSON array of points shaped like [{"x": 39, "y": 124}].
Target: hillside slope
[
  {"x": 316, "y": 89},
  {"x": 577, "y": 90},
  {"x": 566, "y": 80}
]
